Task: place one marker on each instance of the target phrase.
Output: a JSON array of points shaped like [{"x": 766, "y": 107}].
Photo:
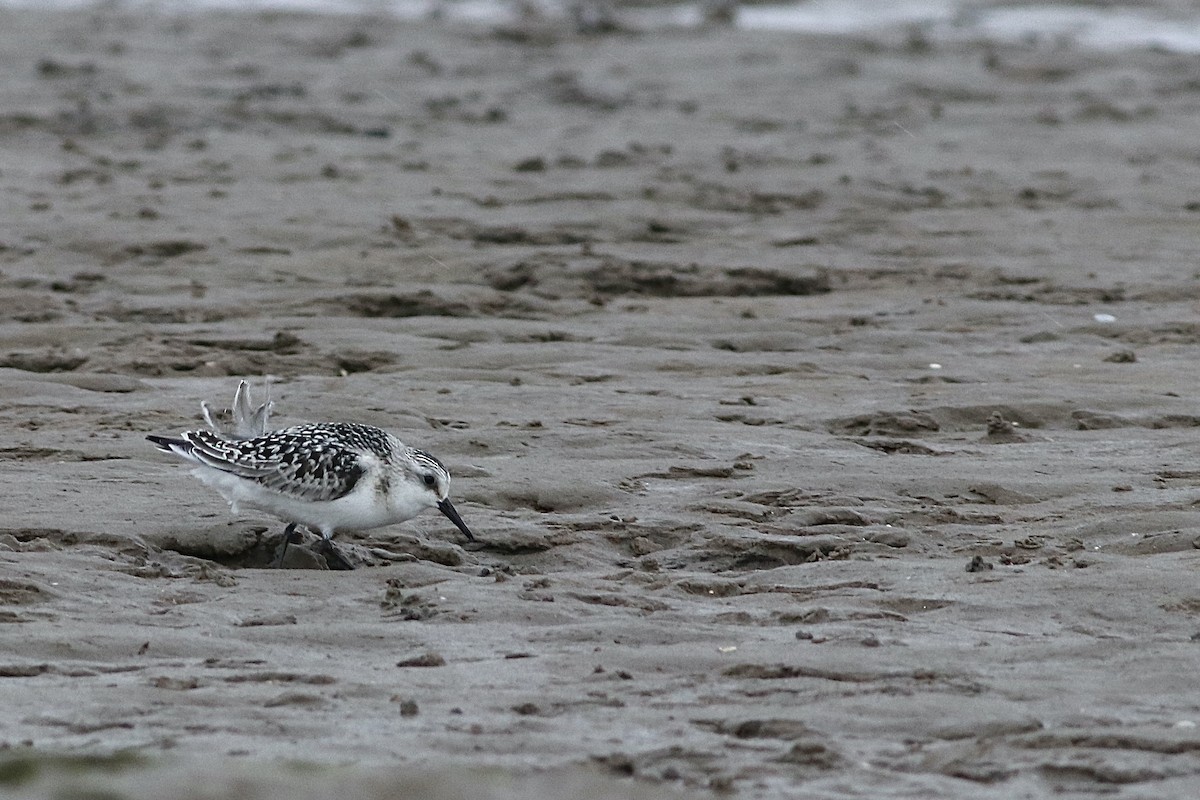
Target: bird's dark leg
[
  {"x": 290, "y": 536},
  {"x": 333, "y": 556}
]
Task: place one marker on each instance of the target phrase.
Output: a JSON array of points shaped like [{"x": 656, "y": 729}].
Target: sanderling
[{"x": 329, "y": 476}]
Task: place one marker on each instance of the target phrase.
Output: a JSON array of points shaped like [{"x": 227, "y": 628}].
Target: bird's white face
[
  {"x": 436, "y": 484},
  {"x": 429, "y": 474},
  {"x": 433, "y": 484}
]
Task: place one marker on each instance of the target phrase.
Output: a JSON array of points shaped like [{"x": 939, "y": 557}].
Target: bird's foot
[
  {"x": 290, "y": 536},
  {"x": 333, "y": 557}
]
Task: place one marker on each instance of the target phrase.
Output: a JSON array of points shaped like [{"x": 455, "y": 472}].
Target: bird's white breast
[{"x": 366, "y": 507}]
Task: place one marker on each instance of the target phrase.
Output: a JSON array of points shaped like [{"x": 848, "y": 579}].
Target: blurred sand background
[{"x": 825, "y": 407}]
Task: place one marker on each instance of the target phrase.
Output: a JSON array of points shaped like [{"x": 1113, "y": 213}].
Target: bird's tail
[{"x": 169, "y": 444}]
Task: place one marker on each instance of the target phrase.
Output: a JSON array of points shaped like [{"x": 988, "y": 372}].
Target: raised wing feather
[{"x": 246, "y": 421}]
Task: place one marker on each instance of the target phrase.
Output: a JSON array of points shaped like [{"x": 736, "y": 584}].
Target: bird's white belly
[{"x": 362, "y": 509}]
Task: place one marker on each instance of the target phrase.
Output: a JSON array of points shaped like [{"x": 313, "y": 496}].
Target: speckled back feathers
[{"x": 313, "y": 462}]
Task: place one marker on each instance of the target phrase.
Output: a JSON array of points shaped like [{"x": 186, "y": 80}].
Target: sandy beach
[{"x": 824, "y": 406}]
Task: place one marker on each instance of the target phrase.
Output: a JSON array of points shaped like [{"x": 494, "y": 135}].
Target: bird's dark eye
[{"x": 429, "y": 479}]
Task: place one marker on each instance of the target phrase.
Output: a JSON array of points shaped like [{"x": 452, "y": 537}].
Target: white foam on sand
[
  {"x": 1107, "y": 28},
  {"x": 847, "y": 16},
  {"x": 1112, "y": 27}
]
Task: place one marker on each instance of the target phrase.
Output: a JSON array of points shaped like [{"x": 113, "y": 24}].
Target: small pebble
[
  {"x": 408, "y": 706},
  {"x": 429, "y": 659},
  {"x": 978, "y": 564},
  {"x": 1121, "y": 357}
]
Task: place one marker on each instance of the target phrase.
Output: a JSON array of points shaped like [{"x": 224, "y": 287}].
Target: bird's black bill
[{"x": 447, "y": 508}]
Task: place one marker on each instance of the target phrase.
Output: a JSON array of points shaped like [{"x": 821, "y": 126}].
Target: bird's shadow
[{"x": 237, "y": 546}]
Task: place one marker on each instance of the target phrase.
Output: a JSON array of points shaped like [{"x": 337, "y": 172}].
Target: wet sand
[{"x": 824, "y": 408}]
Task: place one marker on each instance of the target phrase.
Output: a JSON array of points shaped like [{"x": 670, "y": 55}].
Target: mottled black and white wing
[{"x": 307, "y": 462}]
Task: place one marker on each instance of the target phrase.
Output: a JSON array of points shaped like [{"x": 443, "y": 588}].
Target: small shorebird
[{"x": 329, "y": 477}]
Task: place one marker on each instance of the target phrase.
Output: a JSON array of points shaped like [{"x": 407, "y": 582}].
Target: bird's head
[{"x": 434, "y": 478}]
